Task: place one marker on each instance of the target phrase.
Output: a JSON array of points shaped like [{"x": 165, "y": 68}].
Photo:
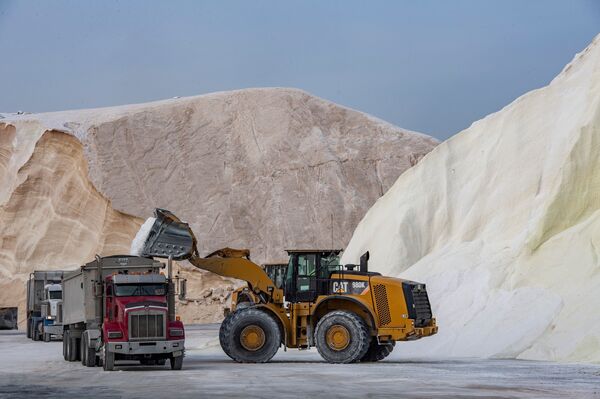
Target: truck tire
[
  {"x": 378, "y": 352},
  {"x": 88, "y": 355},
  {"x": 66, "y": 349},
  {"x": 176, "y": 362},
  {"x": 73, "y": 349},
  {"x": 250, "y": 335},
  {"x": 46, "y": 337},
  {"x": 342, "y": 337},
  {"x": 82, "y": 350},
  {"x": 36, "y": 331},
  {"x": 109, "y": 360},
  {"x": 65, "y": 337},
  {"x": 28, "y": 328}
]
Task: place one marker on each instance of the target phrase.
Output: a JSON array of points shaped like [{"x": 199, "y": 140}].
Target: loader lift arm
[{"x": 170, "y": 237}]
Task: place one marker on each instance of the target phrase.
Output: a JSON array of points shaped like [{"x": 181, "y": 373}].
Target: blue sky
[{"x": 429, "y": 66}]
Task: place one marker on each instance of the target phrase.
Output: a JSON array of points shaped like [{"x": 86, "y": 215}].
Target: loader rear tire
[
  {"x": 378, "y": 352},
  {"x": 250, "y": 335},
  {"x": 342, "y": 337}
]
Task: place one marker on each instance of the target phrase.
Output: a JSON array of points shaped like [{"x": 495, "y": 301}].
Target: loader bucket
[{"x": 169, "y": 236}]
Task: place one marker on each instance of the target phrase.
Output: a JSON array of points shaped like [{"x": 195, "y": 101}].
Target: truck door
[{"x": 301, "y": 278}]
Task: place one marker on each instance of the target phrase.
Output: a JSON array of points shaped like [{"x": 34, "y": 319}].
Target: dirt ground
[{"x": 36, "y": 369}]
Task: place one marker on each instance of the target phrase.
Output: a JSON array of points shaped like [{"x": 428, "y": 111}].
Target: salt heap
[
  {"x": 263, "y": 169},
  {"x": 502, "y": 223}
]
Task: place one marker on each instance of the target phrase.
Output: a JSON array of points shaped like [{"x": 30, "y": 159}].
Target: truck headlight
[
  {"x": 176, "y": 332},
  {"x": 50, "y": 317},
  {"x": 115, "y": 334}
]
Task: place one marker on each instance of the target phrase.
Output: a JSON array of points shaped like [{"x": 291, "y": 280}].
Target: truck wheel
[
  {"x": 378, "y": 352},
  {"x": 109, "y": 360},
  {"x": 250, "y": 335},
  {"x": 35, "y": 332},
  {"x": 64, "y": 342},
  {"x": 342, "y": 337},
  {"x": 88, "y": 355},
  {"x": 74, "y": 352},
  {"x": 29, "y": 329},
  {"x": 46, "y": 337},
  {"x": 176, "y": 362},
  {"x": 66, "y": 345},
  {"x": 82, "y": 350}
]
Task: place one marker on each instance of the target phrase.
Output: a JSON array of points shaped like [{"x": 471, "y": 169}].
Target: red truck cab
[{"x": 137, "y": 324}]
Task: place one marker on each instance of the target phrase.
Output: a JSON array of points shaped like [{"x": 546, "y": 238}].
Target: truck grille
[
  {"x": 417, "y": 301},
  {"x": 147, "y": 325}
]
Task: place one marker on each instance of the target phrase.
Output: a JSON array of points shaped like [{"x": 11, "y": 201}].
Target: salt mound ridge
[
  {"x": 502, "y": 222},
  {"x": 263, "y": 169}
]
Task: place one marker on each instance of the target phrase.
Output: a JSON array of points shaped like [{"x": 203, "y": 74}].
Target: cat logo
[
  {"x": 339, "y": 287},
  {"x": 351, "y": 287}
]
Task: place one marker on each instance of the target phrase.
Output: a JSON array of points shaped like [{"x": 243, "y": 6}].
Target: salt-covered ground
[{"x": 36, "y": 369}]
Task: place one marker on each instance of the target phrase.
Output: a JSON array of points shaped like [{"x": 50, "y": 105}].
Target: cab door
[{"x": 301, "y": 278}]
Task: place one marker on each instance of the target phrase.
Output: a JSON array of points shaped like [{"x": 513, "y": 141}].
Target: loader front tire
[
  {"x": 250, "y": 335},
  {"x": 378, "y": 352},
  {"x": 342, "y": 337}
]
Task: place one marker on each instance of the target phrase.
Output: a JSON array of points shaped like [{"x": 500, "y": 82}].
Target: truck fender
[{"x": 92, "y": 337}]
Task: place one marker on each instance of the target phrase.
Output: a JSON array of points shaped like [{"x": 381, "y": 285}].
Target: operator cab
[{"x": 308, "y": 273}]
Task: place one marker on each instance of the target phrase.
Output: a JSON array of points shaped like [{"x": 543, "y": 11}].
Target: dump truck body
[{"x": 118, "y": 308}]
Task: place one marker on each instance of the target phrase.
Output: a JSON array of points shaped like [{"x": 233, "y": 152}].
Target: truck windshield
[
  {"x": 139, "y": 289},
  {"x": 54, "y": 294}
]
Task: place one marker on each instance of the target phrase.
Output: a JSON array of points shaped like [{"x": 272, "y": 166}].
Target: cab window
[
  {"x": 307, "y": 265},
  {"x": 55, "y": 294}
]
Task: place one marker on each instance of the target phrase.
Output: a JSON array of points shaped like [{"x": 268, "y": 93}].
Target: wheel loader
[{"x": 349, "y": 313}]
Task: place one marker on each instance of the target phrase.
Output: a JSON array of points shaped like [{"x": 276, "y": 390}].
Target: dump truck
[
  {"x": 349, "y": 313},
  {"x": 44, "y": 296},
  {"x": 121, "y": 308}
]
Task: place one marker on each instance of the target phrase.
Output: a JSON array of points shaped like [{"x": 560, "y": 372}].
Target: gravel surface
[{"x": 36, "y": 369}]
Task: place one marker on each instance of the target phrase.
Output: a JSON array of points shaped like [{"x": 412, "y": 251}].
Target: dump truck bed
[
  {"x": 35, "y": 287},
  {"x": 79, "y": 305}
]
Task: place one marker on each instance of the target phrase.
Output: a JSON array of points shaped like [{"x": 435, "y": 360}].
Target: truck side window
[{"x": 109, "y": 290}]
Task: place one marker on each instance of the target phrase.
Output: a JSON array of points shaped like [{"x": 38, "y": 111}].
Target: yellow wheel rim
[
  {"x": 252, "y": 337},
  {"x": 338, "y": 337}
]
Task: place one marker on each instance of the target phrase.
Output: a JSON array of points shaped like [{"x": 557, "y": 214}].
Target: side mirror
[{"x": 364, "y": 262}]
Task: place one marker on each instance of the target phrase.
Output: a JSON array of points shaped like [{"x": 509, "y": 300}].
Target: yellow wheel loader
[{"x": 348, "y": 313}]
